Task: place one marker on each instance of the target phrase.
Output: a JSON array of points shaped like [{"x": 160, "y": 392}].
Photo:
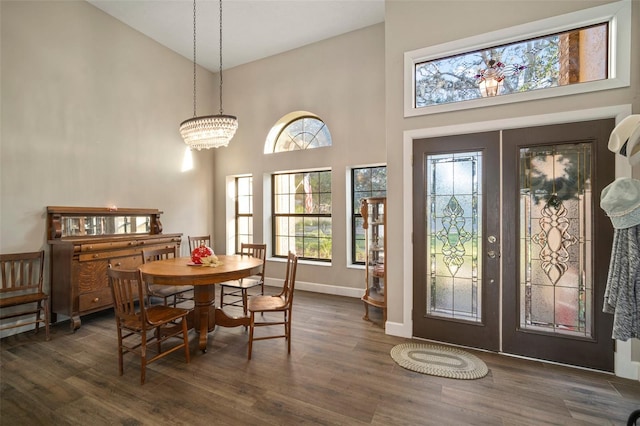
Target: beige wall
[
  {"x": 90, "y": 116},
  {"x": 342, "y": 81}
]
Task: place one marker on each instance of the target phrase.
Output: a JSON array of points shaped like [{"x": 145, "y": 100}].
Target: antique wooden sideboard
[{"x": 85, "y": 241}]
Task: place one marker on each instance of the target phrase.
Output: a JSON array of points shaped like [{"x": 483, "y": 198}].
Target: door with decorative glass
[
  {"x": 536, "y": 236},
  {"x": 557, "y": 243},
  {"x": 456, "y": 211}
]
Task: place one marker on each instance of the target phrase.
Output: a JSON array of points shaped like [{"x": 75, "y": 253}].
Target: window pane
[
  {"x": 305, "y": 206},
  {"x": 454, "y": 239},
  {"x": 244, "y": 211},
  {"x": 556, "y": 283},
  {"x": 244, "y": 225},
  {"x": 366, "y": 182}
]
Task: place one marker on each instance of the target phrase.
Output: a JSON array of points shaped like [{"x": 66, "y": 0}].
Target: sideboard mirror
[{"x": 71, "y": 222}]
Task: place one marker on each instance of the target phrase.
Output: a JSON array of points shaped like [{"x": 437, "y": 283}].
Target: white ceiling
[{"x": 252, "y": 29}]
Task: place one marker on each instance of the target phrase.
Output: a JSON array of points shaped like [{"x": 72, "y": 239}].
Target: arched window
[{"x": 298, "y": 130}]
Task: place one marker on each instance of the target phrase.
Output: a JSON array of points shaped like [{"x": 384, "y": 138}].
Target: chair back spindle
[{"x": 197, "y": 241}]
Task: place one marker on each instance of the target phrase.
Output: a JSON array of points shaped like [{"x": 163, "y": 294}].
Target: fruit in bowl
[{"x": 204, "y": 255}]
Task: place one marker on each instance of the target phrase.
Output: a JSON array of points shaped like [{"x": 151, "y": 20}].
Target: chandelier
[{"x": 209, "y": 131}]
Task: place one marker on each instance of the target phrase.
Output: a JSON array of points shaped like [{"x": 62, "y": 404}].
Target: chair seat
[
  {"x": 5, "y": 302},
  {"x": 266, "y": 303},
  {"x": 158, "y": 314},
  {"x": 168, "y": 290},
  {"x": 162, "y": 314},
  {"x": 243, "y": 283}
]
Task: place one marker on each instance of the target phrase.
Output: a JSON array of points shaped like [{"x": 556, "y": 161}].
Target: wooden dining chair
[
  {"x": 195, "y": 242},
  {"x": 238, "y": 289},
  {"x": 139, "y": 325},
  {"x": 21, "y": 290},
  {"x": 280, "y": 303},
  {"x": 164, "y": 291}
]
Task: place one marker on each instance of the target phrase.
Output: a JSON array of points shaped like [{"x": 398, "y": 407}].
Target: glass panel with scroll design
[
  {"x": 570, "y": 57},
  {"x": 454, "y": 235},
  {"x": 556, "y": 284}
]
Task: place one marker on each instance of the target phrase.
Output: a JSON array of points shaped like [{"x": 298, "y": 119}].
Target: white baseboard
[
  {"x": 319, "y": 288},
  {"x": 391, "y": 328},
  {"x": 398, "y": 329}
]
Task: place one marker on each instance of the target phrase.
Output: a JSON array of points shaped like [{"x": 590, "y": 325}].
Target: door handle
[{"x": 492, "y": 254}]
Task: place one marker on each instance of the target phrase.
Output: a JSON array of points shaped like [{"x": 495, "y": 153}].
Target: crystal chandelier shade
[{"x": 209, "y": 131}]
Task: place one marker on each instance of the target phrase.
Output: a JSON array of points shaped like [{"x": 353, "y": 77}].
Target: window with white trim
[
  {"x": 365, "y": 182},
  {"x": 301, "y": 211},
  {"x": 243, "y": 211}
]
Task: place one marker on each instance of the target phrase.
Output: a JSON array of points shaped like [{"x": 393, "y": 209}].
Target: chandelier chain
[
  {"x": 221, "y": 110},
  {"x": 194, "y": 58}
]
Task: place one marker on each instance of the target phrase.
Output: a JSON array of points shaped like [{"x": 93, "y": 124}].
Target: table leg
[{"x": 204, "y": 317}]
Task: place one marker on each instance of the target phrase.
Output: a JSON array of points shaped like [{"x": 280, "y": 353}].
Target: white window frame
[
  {"x": 230, "y": 211},
  {"x": 350, "y": 211},
  {"x": 271, "y": 214},
  {"x": 618, "y": 15}
]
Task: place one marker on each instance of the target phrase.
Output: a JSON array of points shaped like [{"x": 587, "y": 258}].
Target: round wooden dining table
[{"x": 180, "y": 271}]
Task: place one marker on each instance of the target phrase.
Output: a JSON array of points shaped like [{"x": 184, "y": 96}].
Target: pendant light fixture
[{"x": 209, "y": 131}]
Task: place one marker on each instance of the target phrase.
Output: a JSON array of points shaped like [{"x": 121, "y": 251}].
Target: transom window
[
  {"x": 570, "y": 57},
  {"x": 365, "y": 182},
  {"x": 580, "y": 52},
  {"x": 302, "y": 214}
]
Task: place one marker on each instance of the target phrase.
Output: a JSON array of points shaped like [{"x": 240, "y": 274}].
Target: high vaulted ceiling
[{"x": 252, "y": 29}]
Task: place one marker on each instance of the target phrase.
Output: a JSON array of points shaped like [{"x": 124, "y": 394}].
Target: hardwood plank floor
[{"x": 339, "y": 373}]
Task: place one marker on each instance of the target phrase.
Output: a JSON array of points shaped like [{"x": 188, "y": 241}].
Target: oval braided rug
[{"x": 438, "y": 360}]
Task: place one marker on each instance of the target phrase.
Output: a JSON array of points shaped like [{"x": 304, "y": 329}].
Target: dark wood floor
[{"x": 339, "y": 373}]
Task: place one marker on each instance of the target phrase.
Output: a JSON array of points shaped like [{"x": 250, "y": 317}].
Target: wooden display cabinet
[
  {"x": 85, "y": 241},
  {"x": 373, "y": 211}
]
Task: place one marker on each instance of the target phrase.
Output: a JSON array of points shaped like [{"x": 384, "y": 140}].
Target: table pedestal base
[{"x": 206, "y": 316}]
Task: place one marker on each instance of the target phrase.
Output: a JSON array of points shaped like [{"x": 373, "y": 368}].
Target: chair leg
[
  {"x": 185, "y": 334},
  {"x": 251, "y": 327},
  {"x": 244, "y": 300},
  {"x": 38, "y": 309},
  {"x": 120, "y": 354},
  {"x": 143, "y": 357},
  {"x": 47, "y": 320},
  {"x": 287, "y": 327},
  {"x": 221, "y": 296}
]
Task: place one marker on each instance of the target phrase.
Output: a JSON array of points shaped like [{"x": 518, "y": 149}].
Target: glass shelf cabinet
[{"x": 373, "y": 211}]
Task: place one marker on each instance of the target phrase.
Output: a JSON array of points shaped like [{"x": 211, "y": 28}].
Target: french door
[{"x": 511, "y": 248}]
